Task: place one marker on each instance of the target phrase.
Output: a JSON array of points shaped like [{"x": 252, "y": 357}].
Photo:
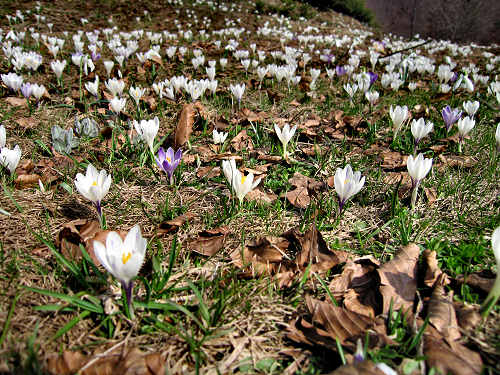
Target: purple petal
[
  {"x": 161, "y": 154},
  {"x": 178, "y": 155}
]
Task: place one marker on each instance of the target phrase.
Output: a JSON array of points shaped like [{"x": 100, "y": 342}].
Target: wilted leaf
[
  {"x": 76, "y": 232},
  {"x": 441, "y": 311},
  {"x": 16, "y": 102},
  {"x": 398, "y": 279},
  {"x": 185, "y": 125},
  {"x": 432, "y": 270},
  {"x": 209, "y": 241},
  {"x": 262, "y": 254},
  {"x": 173, "y": 225},
  {"x": 455, "y": 359},
  {"x": 129, "y": 362}
]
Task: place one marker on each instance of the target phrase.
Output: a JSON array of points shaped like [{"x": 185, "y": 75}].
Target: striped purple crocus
[
  {"x": 450, "y": 116},
  {"x": 168, "y": 161}
]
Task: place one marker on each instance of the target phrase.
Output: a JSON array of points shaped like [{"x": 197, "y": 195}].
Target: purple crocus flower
[
  {"x": 26, "y": 90},
  {"x": 340, "y": 70},
  {"x": 454, "y": 77},
  {"x": 95, "y": 56},
  {"x": 450, "y": 116},
  {"x": 373, "y": 77},
  {"x": 168, "y": 161}
]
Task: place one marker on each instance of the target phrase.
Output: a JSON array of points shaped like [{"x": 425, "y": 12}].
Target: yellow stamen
[
  {"x": 243, "y": 178},
  {"x": 94, "y": 183},
  {"x": 126, "y": 258},
  {"x": 169, "y": 160}
]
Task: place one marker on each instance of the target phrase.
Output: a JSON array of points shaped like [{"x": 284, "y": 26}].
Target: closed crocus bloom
[
  {"x": 3, "y": 136},
  {"x": 398, "y": 116},
  {"x": 372, "y": 96},
  {"x": 420, "y": 129},
  {"x": 229, "y": 168},
  {"x": 147, "y": 130},
  {"x": 465, "y": 125},
  {"x": 117, "y": 105},
  {"x": 115, "y": 86},
  {"x": 93, "y": 185},
  {"x": 123, "y": 258},
  {"x": 219, "y": 137},
  {"x": 168, "y": 161},
  {"x": 285, "y": 135},
  {"x": 237, "y": 91},
  {"x": 108, "y": 65},
  {"x": 417, "y": 169},
  {"x": 347, "y": 183},
  {"x": 58, "y": 67},
  {"x": 497, "y": 137},
  {"x": 450, "y": 116},
  {"x": 37, "y": 91},
  {"x": 494, "y": 294},
  {"x": 10, "y": 158},
  {"x": 471, "y": 107}
]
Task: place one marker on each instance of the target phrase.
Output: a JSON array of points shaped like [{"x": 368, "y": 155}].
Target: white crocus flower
[
  {"x": 115, "y": 86},
  {"x": 471, "y": 107},
  {"x": 497, "y": 137},
  {"x": 147, "y": 130},
  {"x": 93, "y": 87},
  {"x": 123, "y": 258},
  {"x": 117, "y": 105},
  {"x": 417, "y": 169},
  {"x": 93, "y": 185},
  {"x": 398, "y": 116},
  {"x": 37, "y": 91},
  {"x": 237, "y": 91},
  {"x": 12, "y": 81},
  {"x": 285, "y": 135},
  {"x": 58, "y": 67},
  {"x": 3, "y": 136},
  {"x": 240, "y": 183},
  {"x": 10, "y": 158},
  {"x": 347, "y": 183},
  {"x": 372, "y": 97},
  {"x": 136, "y": 93},
  {"x": 494, "y": 294},
  {"x": 108, "y": 65},
  {"x": 420, "y": 129},
  {"x": 219, "y": 137},
  {"x": 465, "y": 125}
]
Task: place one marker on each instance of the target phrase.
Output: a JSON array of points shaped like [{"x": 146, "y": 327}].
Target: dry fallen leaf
[
  {"x": 457, "y": 161},
  {"x": 27, "y": 122},
  {"x": 185, "y": 125},
  {"x": 398, "y": 279},
  {"x": 482, "y": 280},
  {"x": 455, "y": 359},
  {"x": 74, "y": 233},
  {"x": 209, "y": 241},
  {"x": 359, "y": 368},
  {"x": 261, "y": 196},
  {"x": 432, "y": 270},
  {"x": 16, "y": 102},
  {"x": 441, "y": 311},
  {"x": 171, "y": 226},
  {"x": 299, "y": 197}
]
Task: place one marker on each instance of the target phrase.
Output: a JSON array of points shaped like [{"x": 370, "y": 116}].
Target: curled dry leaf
[
  {"x": 482, "y": 280},
  {"x": 209, "y": 241},
  {"x": 262, "y": 254},
  {"x": 261, "y": 196},
  {"x": 398, "y": 279},
  {"x": 454, "y": 359},
  {"x": 242, "y": 141},
  {"x": 432, "y": 270},
  {"x": 468, "y": 315},
  {"x": 185, "y": 125},
  {"x": 441, "y": 311},
  {"x": 129, "y": 362},
  {"x": 74, "y": 233},
  {"x": 171, "y": 226},
  {"x": 299, "y": 197}
]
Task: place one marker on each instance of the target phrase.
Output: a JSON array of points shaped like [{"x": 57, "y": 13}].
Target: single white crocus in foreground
[
  {"x": 117, "y": 105},
  {"x": 465, "y": 125},
  {"x": 219, "y": 137},
  {"x": 347, "y": 183},
  {"x": 494, "y": 294},
  {"x": 398, "y": 116},
  {"x": 93, "y": 87},
  {"x": 10, "y": 158},
  {"x": 94, "y": 186},
  {"x": 240, "y": 183},
  {"x": 372, "y": 97},
  {"x": 285, "y": 135},
  {"x": 136, "y": 93},
  {"x": 417, "y": 169},
  {"x": 123, "y": 259},
  {"x": 147, "y": 130}
]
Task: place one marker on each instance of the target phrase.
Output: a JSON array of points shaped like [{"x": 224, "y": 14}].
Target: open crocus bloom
[
  {"x": 168, "y": 161},
  {"x": 147, "y": 130},
  {"x": 285, "y": 135},
  {"x": 347, "y": 183},
  {"x": 123, "y": 258},
  {"x": 240, "y": 183},
  {"x": 93, "y": 185}
]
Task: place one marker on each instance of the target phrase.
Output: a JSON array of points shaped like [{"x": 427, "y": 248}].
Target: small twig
[{"x": 406, "y": 49}]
